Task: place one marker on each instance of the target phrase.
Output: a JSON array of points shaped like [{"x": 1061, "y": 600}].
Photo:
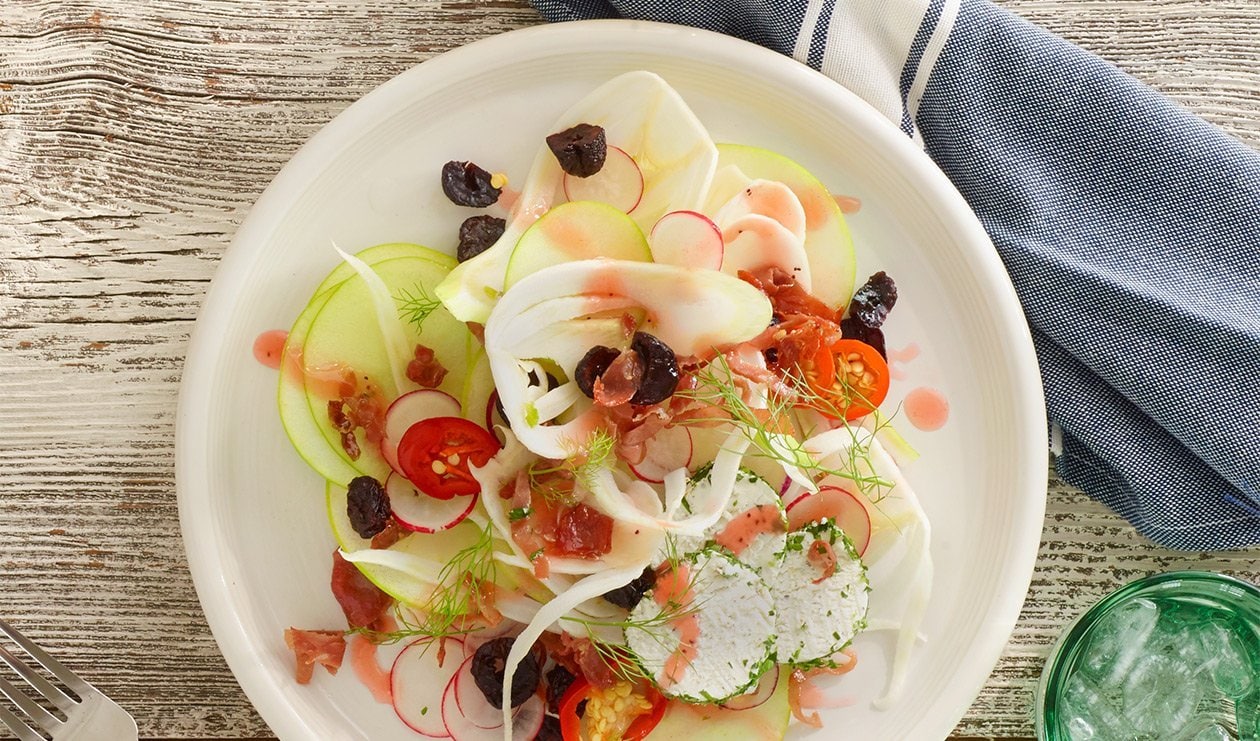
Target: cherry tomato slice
[
  {"x": 639, "y": 728},
  {"x": 570, "y": 721},
  {"x": 435, "y": 455},
  {"x": 858, "y": 375},
  {"x": 643, "y": 725}
]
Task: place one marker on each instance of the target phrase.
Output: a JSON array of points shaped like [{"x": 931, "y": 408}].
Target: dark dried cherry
[
  {"x": 468, "y": 185},
  {"x": 872, "y": 302},
  {"x": 367, "y": 505},
  {"x": 631, "y": 594},
  {"x": 559, "y": 680},
  {"x": 660, "y": 369},
  {"x": 488, "y": 669},
  {"x": 476, "y": 235},
  {"x": 580, "y": 150},
  {"x": 852, "y": 329},
  {"x": 592, "y": 366}
]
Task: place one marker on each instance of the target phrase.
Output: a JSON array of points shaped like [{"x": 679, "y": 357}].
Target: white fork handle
[{"x": 98, "y": 719}]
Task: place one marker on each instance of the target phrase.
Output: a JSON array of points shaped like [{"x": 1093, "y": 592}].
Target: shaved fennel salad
[{"x": 619, "y": 469}]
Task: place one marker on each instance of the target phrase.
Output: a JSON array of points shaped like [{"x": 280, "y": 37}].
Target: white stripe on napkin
[
  {"x": 949, "y": 13},
  {"x": 813, "y": 10},
  {"x": 868, "y": 44}
]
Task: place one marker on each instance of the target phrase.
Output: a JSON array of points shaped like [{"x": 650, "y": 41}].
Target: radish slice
[
  {"x": 528, "y": 719},
  {"x": 419, "y": 683},
  {"x": 765, "y": 689},
  {"x": 461, "y": 720},
  {"x": 457, "y": 725},
  {"x": 687, "y": 239},
  {"x": 420, "y": 512},
  {"x": 619, "y": 183},
  {"x": 408, "y": 409},
  {"x": 669, "y": 450},
  {"x": 848, "y": 512},
  {"x": 472, "y": 702}
]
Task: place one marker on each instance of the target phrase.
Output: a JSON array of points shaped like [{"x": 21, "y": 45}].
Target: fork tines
[{"x": 37, "y": 716}]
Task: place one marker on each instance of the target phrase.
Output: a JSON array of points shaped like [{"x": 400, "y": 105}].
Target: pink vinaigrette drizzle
[
  {"x": 269, "y": 347},
  {"x": 926, "y": 408},
  {"x": 368, "y": 669}
]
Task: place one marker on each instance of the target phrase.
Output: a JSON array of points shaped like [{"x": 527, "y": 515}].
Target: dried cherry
[
  {"x": 580, "y": 150},
  {"x": 468, "y": 185},
  {"x": 660, "y": 369},
  {"x": 487, "y": 669},
  {"x": 631, "y": 594},
  {"x": 476, "y": 235},
  {"x": 367, "y": 505},
  {"x": 852, "y": 329},
  {"x": 559, "y": 680},
  {"x": 592, "y": 366},
  {"x": 872, "y": 302}
]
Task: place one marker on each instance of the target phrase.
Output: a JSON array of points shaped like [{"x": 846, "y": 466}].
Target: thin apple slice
[
  {"x": 669, "y": 450},
  {"x": 419, "y": 681},
  {"x": 838, "y": 505},
  {"x": 688, "y": 239},
  {"x": 619, "y": 183},
  {"x": 408, "y": 409},
  {"x": 576, "y": 231},
  {"x": 422, "y": 513}
]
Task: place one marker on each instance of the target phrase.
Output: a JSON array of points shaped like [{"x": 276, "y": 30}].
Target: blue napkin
[{"x": 1130, "y": 228}]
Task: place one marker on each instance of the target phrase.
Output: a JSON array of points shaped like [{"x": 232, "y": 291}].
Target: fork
[{"x": 92, "y": 717}]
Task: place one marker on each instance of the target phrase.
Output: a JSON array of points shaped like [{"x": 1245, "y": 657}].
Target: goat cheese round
[
  {"x": 710, "y": 639},
  {"x": 820, "y": 595},
  {"x": 753, "y": 527}
]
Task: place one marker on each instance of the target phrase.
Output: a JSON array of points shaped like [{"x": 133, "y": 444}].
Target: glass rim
[{"x": 1052, "y": 673}]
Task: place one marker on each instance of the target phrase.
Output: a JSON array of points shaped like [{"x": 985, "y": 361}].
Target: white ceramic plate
[{"x": 253, "y": 515}]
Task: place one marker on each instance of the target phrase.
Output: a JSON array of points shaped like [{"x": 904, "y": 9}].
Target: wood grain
[{"x": 134, "y": 135}]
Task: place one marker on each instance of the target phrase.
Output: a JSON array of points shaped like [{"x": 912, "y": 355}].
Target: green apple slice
[
  {"x": 769, "y": 720},
  {"x": 579, "y": 230},
  {"x": 295, "y": 409}
]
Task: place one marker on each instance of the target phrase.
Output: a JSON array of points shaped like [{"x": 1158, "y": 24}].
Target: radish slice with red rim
[
  {"x": 688, "y": 239},
  {"x": 845, "y": 509},
  {"x": 765, "y": 688},
  {"x": 619, "y": 183},
  {"x": 422, "y": 513},
  {"x": 472, "y": 702},
  {"x": 459, "y": 727},
  {"x": 408, "y": 409},
  {"x": 669, "y": 450},
  {"x": 418, "y": 683}
]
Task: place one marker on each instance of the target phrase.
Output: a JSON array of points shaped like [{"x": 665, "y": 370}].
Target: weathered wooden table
[{"x": 135, "y": 134}]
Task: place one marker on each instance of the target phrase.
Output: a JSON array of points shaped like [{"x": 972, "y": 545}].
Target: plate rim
[{"x": 203, "y": 545}]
